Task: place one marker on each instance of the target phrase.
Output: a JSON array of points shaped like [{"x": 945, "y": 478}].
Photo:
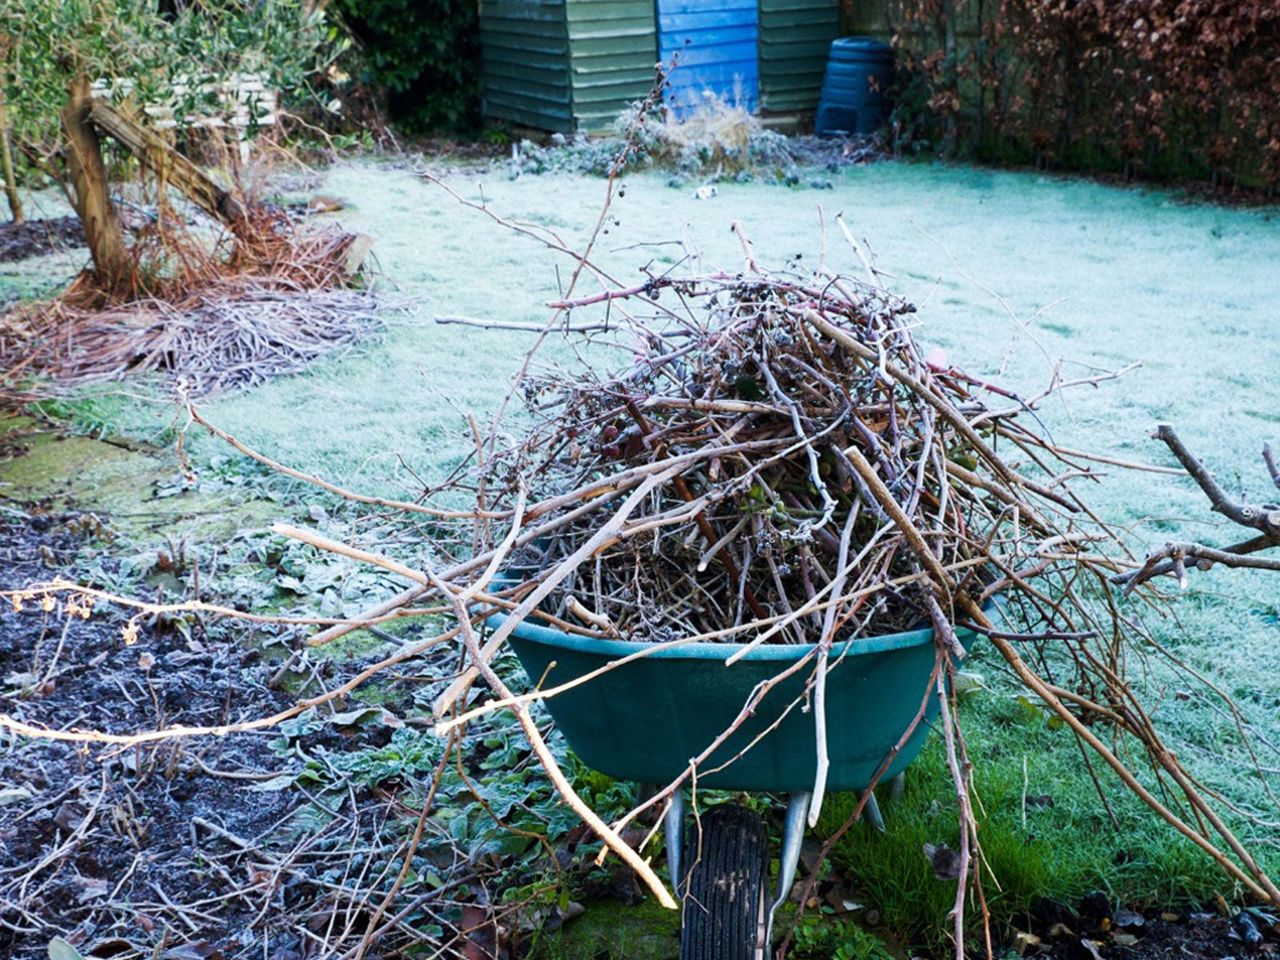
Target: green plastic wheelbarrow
[{"x": 646, "y": 718}]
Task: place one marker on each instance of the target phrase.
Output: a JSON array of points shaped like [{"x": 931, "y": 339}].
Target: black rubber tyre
[{"x": 726, "y": 864}]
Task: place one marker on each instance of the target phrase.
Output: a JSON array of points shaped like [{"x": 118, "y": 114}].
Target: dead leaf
[
  {"x": 113, "y": 947},
  {"x": 944, "y": 860},
  {"x": 1128, "y": 918},
  {"x": 199, "y": 950},
  {"x": 91, "y": 888},
  {"x": 481, "y": 934},
  {"x": 69, "y": 816},
  {"x": 14, "y": 795}
]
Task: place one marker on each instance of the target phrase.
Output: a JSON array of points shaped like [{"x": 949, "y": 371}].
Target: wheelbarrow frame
[{"x": 641, "y": 711}]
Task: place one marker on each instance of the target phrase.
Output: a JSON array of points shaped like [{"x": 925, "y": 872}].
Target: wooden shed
[
  {"x": 569, "y": 65},
  {"x": 565, "y": 65},
  {"x": 714, "y": 48},
  {"x": 795, "y": 36}
]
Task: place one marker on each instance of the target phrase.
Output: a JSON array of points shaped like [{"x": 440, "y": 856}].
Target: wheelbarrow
[{"x": 645, "y": 719}]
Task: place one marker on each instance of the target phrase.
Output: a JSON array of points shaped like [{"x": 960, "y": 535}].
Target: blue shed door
[{"x": 714, "y": 48}]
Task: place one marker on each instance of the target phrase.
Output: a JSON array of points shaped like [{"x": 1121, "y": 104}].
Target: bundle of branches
[
  {"x": 780, "y": 462},
  {"x": 772, "y": 397},
  {"x": 216, "y": 317}
]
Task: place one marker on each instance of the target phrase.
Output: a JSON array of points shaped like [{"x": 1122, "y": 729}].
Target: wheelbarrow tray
[{"x": 645, "y": 719}]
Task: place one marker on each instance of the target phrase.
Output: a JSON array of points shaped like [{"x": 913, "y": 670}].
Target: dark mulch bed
[
  {"x": 121, "y": 851},
  {"x": 1096, "y": 930},
  {"x": 33, "y": 238}
]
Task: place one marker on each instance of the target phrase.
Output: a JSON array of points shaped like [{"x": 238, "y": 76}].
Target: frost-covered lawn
[{"x": 1012, "y": 272}]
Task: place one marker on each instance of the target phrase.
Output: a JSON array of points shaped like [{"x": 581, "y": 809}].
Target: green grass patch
[
  {"x": 95, "y": 413},
  {"x": 1045, "y": 831}
]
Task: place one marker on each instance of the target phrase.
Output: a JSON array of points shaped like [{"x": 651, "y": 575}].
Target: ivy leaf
[{"x": 59, "y": 949}]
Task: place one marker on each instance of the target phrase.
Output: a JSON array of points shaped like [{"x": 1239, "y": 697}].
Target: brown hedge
[{"x": 1166, "y": 88}]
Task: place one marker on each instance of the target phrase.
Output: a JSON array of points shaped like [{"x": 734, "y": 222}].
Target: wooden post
[
  {"x": 89, "y": 178},
  {"x": 170, "y": 167},
  {"x": 6, "y": 165},
  {"x": 6, "y": 144}
]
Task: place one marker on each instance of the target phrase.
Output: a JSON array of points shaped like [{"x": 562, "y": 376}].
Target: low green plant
[
  {"x": 91, "y": 414},
  {"x": 819, "y": 938}
]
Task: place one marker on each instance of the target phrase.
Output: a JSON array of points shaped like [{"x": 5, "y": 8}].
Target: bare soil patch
[
  {"x": 1096, "y": 932},
  {"x": 163, "y": 850},
  {"x": 34, "y": 238}
]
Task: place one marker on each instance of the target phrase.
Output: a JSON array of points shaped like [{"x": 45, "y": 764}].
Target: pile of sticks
[
  {"x": 778, "y": 462},
  {"x": 217, "y": 340},
  {"x": 278, "y": 304},
  {"x": 819, "y": 476}
]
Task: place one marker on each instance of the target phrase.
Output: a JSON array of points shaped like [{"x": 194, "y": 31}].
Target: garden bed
[{"x": 162, "y": 849}]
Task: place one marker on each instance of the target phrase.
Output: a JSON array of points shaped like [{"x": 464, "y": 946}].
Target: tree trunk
[
  {"x": 6, "y": 165},
  {"x": 93, "y": 204},
  {"x": 951, "y": 132}
]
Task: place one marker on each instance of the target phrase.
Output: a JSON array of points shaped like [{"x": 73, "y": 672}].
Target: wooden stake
[
  {"x": 169, "y": 166},
  {"x": 6, "y": 165}
]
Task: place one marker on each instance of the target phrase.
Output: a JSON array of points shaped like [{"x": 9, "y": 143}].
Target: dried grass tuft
[{"x": 212, "y": 313}]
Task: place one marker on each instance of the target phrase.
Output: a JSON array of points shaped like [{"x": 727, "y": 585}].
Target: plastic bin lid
[{"x": 860, "y": 47}]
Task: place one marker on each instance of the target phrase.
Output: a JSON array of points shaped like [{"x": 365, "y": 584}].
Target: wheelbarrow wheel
[{"x": 726, "y": 891}]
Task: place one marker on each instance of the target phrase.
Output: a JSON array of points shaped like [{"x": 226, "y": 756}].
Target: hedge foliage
[
  {"x": 422, "y": 55},
  {"x": 1163, "y": 88},
  {"x": 170, "y": 55}
]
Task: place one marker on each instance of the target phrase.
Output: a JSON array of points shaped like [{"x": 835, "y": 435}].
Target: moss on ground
[
  {"x": 612, "y": 930},
  {"x": 138, "y": 487}
]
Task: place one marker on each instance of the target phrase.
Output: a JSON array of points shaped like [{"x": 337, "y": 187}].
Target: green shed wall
[
  {"x": 565, "y": 64},
  {"x": 577, "y": 64},
  {"x": 524, "y": 50},
  {"x": 795, "y": 38},
  {"x": 613, "y": 47}
]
